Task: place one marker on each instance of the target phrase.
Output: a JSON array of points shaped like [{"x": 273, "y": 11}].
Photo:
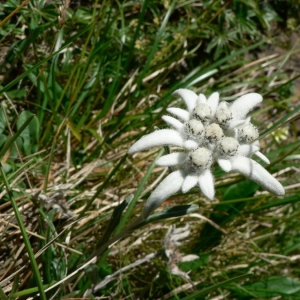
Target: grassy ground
[{"x": 80, "y": 82}]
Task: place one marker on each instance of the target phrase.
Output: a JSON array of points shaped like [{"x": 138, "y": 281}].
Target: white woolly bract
[
  {"x": 188, "y": 96},
  {"x": 201, "y": 99},
  {"x": 173, "y": 122},
  {"x": 172, "y": 159},
  {"x": 190, "y": 145},
  {"x": 180, "y": 113},
  {"x": 262, "y": 157},
  {"x": 206, "y": 184},
  {"x": 247, "y": 150},
  {"x": 168, "y": 187},
  {"x": 225, "y": 164},
  {"x": 190, "y": 181},
  {"x": 257, "y": 173},
  {"x": 243, "y": 105},
  {"x": 158, "y": 138},
  {"x": 189, "y": 257},
  {"x": 213, "y": 102}
]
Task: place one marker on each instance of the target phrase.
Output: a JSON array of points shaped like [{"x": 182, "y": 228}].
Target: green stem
[
  {"x": 2, "y": 294},
  {"x": 33, "y": 262},
  {"x": 138, "y": 221}
]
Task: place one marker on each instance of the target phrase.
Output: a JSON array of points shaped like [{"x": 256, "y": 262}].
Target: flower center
[
  {"x": 201, "y": 158},
  {"x": 248, "y": 133},
  {"x": 202, "y": 112},
  {"x": 196, "y": 128},
  {"x": 223, "y": 116},
  {"x": 228, "y": 146},
  {"x": 214, "y": 132}
]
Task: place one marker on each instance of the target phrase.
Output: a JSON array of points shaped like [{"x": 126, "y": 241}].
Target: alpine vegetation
[{"x": 208, "y": 132}]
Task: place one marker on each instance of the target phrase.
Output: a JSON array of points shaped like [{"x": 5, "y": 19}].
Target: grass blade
[
  {"x": 23, "y": 75},
  {"x": 214, "y": 287},
  {"x": 11, "y": 140},
  {"x": 33, "y": 262}
]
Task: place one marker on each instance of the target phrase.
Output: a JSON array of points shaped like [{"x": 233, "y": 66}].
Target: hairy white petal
[
  {"x": 178, "y": 272},
  {"x": 236, "y": 123},
  {"x": 206, "y": 184},
  {"x": 257, "y": 173},
  {"x": 256, "y": 143},
  {"x": 225, "y": 164},
  {"x": 173, "y": 122},
  {"x": 168, "y": 253},
  {"x": 180, "y": 113},
  {"x": 247, "y": 120},
  {"x": 157, "y": 138},
  {"x": 181, "y": 229},
  {"x": 168, "y": 187},
  {"x": 190, "y": 145},
  {"x": 213, "y": 102},
  {"x": 201, "y": 99},
  {"x": 247, "y": 150},
  {"x": 189, "y": 257},
  {"x": 223, "y": 105},
  {"x": 244, "y": 104},
  {"x": 188, "y": 96},
  {"x": 175, "y": 237},
  {"x": 190, "y": 181},
  {"x": 262, "y": 157},
  {"x": 172, "y": 159}
]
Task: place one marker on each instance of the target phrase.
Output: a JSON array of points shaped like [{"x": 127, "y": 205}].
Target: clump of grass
[{"x": 90, "y": 80}]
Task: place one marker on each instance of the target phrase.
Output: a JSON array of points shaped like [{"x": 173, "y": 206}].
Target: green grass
[{"x": 90, "y": 80}]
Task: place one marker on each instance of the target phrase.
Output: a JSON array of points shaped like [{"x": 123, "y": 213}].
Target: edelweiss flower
[
  {"x": 208, "y": 132},
  {"x": 172, "y": 241}
]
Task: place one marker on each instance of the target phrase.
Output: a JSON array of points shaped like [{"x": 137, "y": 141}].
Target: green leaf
[
  {"x": 225, "y": 212},
  {"x": 10, "y": 141},
  {"x": 172, "y": 212},
  {"x": 30, "y": 133},
  {"x": 16, "y": 94},
  {"x": 2, "y": 121},
  {"x": 7, "y": 168},
  {"x": 239, "y": 190},
  {"x": 41, "y": 62},
  {"x": 214, "y": 287},
  {"x": 284, "y": 201},
  {"x": 3, "y": 139},
  {"x": 275, "y": 286},
  {"x": 115, "y": 219},
  {"x": 195, "y": 264},
  {"x": 13, "y": 150}
]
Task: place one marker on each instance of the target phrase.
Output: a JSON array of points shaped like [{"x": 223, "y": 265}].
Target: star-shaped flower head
[{"x": 208, "y": 132}]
